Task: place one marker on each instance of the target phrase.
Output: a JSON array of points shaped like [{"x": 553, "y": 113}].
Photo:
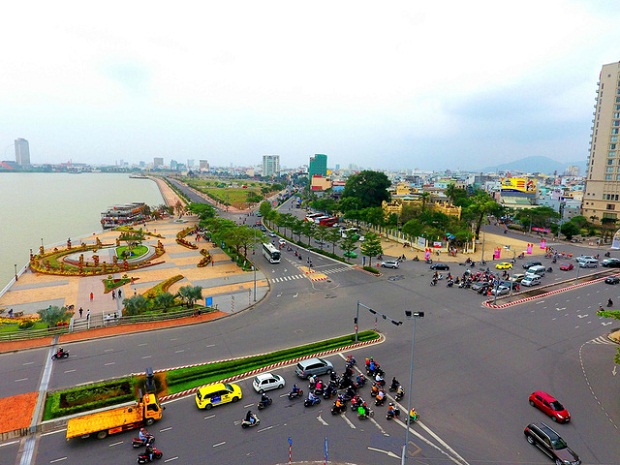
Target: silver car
[{"x": 389, "y": 264}]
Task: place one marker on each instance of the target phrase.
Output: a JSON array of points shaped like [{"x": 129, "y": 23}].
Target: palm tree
[
  {"x": 190, "y": 294},
  {"x": 164, "y": 300},
  {"x": 135, "y": 305}
]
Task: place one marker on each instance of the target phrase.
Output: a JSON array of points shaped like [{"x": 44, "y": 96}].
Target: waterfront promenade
[{"x": 229, "y": 288}]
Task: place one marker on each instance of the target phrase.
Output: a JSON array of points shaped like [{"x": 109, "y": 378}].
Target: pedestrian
[
  {"x": 113, "y": 295},
  {"x": 119, "y": 294},
  {"x": 88, "y": 314},
  {"x": 11, "y": 313},
  {"x": 92, "y": 296},
  {"x": 81, "y": 310},
  {"x": 212, "y": 262}
]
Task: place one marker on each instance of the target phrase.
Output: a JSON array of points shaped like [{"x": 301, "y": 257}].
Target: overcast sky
[{"x": 395, "y": 84}]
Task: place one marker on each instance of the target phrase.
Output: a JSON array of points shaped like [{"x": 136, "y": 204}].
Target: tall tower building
[
  {"x": 22, "y": 152},
  {"x": 271, "y": 165},
  {"x": 602, "y": 191},
  {"x": 318, "y": 165}
]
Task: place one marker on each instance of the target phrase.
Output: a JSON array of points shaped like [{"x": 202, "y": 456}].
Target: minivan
[
  {"x": 538, "y": 269},
  {"x": 588, "y": 263},
  {"x": 530, "y": 280},
  {"x": 530, "y": 264},
  {"x": 313, "y": 366}
]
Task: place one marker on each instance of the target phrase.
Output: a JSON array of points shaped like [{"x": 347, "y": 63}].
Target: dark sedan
[
  {"x": 612, "y": 280},
  {"x": 439, "y": 266},
  {"x": 611, "y": 262}
]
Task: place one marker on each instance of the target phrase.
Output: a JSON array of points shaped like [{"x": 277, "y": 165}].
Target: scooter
[
  {"x": 137, "y": 442},
  {"x": 64, "y": 354},
  {"x": 293, "y": 394},
  {"x": 265, "y": 404},
  {"x": 144, "y": 457},
  {"x": 392, "y": 414},
  {"x": 369, "y": 413},
  {"x": 250, "y": 424},
  {"x": 336, "y": 410},
  {"x": 379, "y": 401},
  {"x": 399, "y": 395},
  {"x": 310, "y": 403}
]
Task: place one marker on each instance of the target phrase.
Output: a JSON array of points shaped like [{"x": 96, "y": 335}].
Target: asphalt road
[{"x": 474, "y": 370}]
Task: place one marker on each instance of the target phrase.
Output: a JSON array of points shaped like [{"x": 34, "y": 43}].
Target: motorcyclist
[
  {"x": 394, "y": 384},
  {"x": 379, "y": 380},
  {"x": 149, "y": 452},
  {"x": 143, "y": 435},
  {"x": 312, "y": 397},
  {"x": 380, "y": 396},
  {"x": 610, "y": 303},
  {"x": 264, "y": 400},
  {"x": 295, "y": 389},
  {"x": 59, "y": 352},
  {"x": 250, "y": 417},
  {"x": 319, "y": 385},
  {"x": 391, "y": 411},
  {"x": 400, "y": 392},
  {"x": 360, "y": 380},
  {"x": 312, "y": 380},
  {"x": 413, "y": 415},
  {"x": 338, "y": 404},
  {"x": 351, "y": 360},
  {"x": 374, "y": 390}
]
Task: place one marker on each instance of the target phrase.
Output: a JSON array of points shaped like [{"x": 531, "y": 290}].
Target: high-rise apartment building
[
  {"x": 22, "y": 152},
  {"x": 203, "y": 165},
  {"x": 158, "y": 162},
  {"x": 602, "y": 191},
  {"x": 318, "y": 165},
  {"x": 271, "y": 165}
]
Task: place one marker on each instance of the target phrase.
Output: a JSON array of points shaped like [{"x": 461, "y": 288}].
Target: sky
[{"x": 381, "y": 85}]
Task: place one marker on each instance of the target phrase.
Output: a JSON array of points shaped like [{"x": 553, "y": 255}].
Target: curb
[{"x": 488, "y": 303}]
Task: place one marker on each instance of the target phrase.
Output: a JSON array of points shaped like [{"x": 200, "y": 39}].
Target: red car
[
  {"x": 566, "y": 266},
  {"x": 549, "y": 406}
]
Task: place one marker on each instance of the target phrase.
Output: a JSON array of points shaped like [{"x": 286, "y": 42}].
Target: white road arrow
[
  {"x": 613, "y": 372},
  {"x": 386, "y": 452},
  {"x": 606, "y": 324},
  {"x": 582, "y": 316}
]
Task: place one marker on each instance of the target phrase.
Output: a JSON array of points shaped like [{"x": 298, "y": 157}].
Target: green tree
[
  {"x": 307, "y": 229},
  {"x": 333, "y": 236},
  {"x": 369, "y": 188},
  {"x": 348, "y": 244},
  {"x": 482, "y": 204},
  {"x": 569, "y": 229},
  {"x": 164, "y": 300},
  {"x": 297, "y": 228},
  {"x": 253, "y": 198},
  {"x": 242, "y": 237},
  {"x": 190, "y": 294},
  {"x": 203, "y": 210},
  {"x": 287, "y": 222},
  {"x": 371, "y": 247},
  {"x": 135, "y": 305},
  {"x": 321, "y": 233},
  {"x": 132, "y": 237},
  {"x": 373, "y": 216},
  {"x": 265, "y": 208},
  {"x": 54, "y": 315}
]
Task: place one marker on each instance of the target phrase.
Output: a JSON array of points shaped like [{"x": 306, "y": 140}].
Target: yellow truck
[{"x": 116, "y": 418}]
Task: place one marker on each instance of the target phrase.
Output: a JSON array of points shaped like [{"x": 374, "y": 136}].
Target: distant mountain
[{"x": 536, "y": 165}]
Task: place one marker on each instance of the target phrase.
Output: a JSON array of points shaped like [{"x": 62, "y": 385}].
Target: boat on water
[{"x": 119, "y": 215}]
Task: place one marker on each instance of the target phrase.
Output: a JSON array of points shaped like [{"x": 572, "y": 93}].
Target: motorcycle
[
  {"x": 433, "y": 282},
  {"x": 249, "y": 424},
  {"x": 337, "y": 410},
  {"x": 144, "y": 457},
  {"x": 379, "y": 401},
  {"x": 399, "y": 395},
  {"x": 392, "y": 414},
  {"x": 137, "y": 442},
  {"x": 63, "y": 354},
  {"x": 413, "y": 417},
  {"x": 450, "y": 283},
  {"x": 265, "y": 404},
  {"x": 330, "y": 391},
  {"x": 293, "y": 394},
  {"x": 310, "y": 403},
  {"x": 368, "y": 414},
  {"x": 356, "y": 402},
  {"x": 394, "y": 385}
]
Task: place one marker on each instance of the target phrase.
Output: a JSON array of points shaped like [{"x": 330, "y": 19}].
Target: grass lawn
[
  {"x": 12, "y": 327},
  {"x": 136, "y": 251}
]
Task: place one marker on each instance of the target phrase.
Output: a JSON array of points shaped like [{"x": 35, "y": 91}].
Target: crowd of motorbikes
[{"x": 345, "y": 390}]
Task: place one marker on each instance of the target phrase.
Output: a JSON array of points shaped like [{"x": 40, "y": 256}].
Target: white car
[
  {"x": 389, "y": 264},
  {"x": 267, "y": 382},
  {"x": 282, "y": 242},
  {"x": 530, "y": 280}
]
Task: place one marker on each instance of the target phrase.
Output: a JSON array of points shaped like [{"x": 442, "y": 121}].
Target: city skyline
[{"x": 453, "y": 86}]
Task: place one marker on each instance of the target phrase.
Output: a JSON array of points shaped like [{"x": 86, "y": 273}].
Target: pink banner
[
  {"x": 543, "y": 244},
  {"x": 529, "y": 248}
]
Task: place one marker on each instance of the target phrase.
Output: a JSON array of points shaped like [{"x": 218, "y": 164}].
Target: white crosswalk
[
  {"x": 282, "y": 279},
  {"x": 602, "y": 340}
]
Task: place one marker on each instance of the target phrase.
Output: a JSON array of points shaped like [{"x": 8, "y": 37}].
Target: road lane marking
[
  {"x": 176, "y": 457},
  {"x": 146, "y": 356},
  {"x": 109, "y": 350},
  {"x": 219, "y": 444},
  {"x": 322, "y": 421},
  {"x": 20, "y": 380},
  {"x": 210, "y": 345},
  {"x": 27, "y": 363},
  {"x": 58, "y": 460},
  {"x": 115, "y": 444},
  {"x": 143, "y": 344},
  {"x": 389, "y": 453},
  {"x": 69, "y": 371},
  {"x": 265, "y": 429},
  {"x": 209, "y": 417},
  {"x": 165, "y": 429},
  {"x": 179, "y": 351},
  {"x": 109, "y": 363},
  {"x": 9, "y": 443},
  {"x": 349, "y": 422}
]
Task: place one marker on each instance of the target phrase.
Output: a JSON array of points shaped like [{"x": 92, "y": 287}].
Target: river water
[{"x": 52, "y": 207}]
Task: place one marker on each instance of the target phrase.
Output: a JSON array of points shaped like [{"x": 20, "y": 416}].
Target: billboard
[{"x": 523, "y": 185}]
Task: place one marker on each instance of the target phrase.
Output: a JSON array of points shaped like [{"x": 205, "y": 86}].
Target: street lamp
[
  {"x": 411, "y": 316},
  {"x": 254, "y": 264},
  {"x": 374, "y": 312}
]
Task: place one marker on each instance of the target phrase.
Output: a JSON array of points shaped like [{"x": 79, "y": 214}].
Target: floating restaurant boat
[{"x": 119, "y": 215}]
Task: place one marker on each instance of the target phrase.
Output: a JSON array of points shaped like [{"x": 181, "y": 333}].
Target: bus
[
  {"x": 271, "y": 253},
  {"x": 329, "y": 221},
  {"x": 310, "y": 217}
]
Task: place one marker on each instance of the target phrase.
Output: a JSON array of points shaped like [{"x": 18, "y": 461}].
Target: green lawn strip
[
  {"x": 98, "y": 395},
  {"x": 13, "y": 327},
  {"x": 137, "y": 251}
]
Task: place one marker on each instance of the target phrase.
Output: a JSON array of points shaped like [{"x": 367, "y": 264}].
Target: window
[
  {"x": 611, "y": 161},
  {"x": 608, "y": 177},
  {"x": 613, "y": 139},
  {"x": 610, "y": 206},
  {"x": 610, "y": 169},
  {"x": 616, "y": 123},
  {"x": 611, "y": 154},
  {"x": 612, "y": 146},
  {"x": 616, "y": 115},
  {"x": 614, "y": 131}
]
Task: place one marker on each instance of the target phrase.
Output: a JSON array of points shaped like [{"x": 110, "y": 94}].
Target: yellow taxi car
[
  {"x": 217, "y": 394},
  {"x": 503, "y": 266}
]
